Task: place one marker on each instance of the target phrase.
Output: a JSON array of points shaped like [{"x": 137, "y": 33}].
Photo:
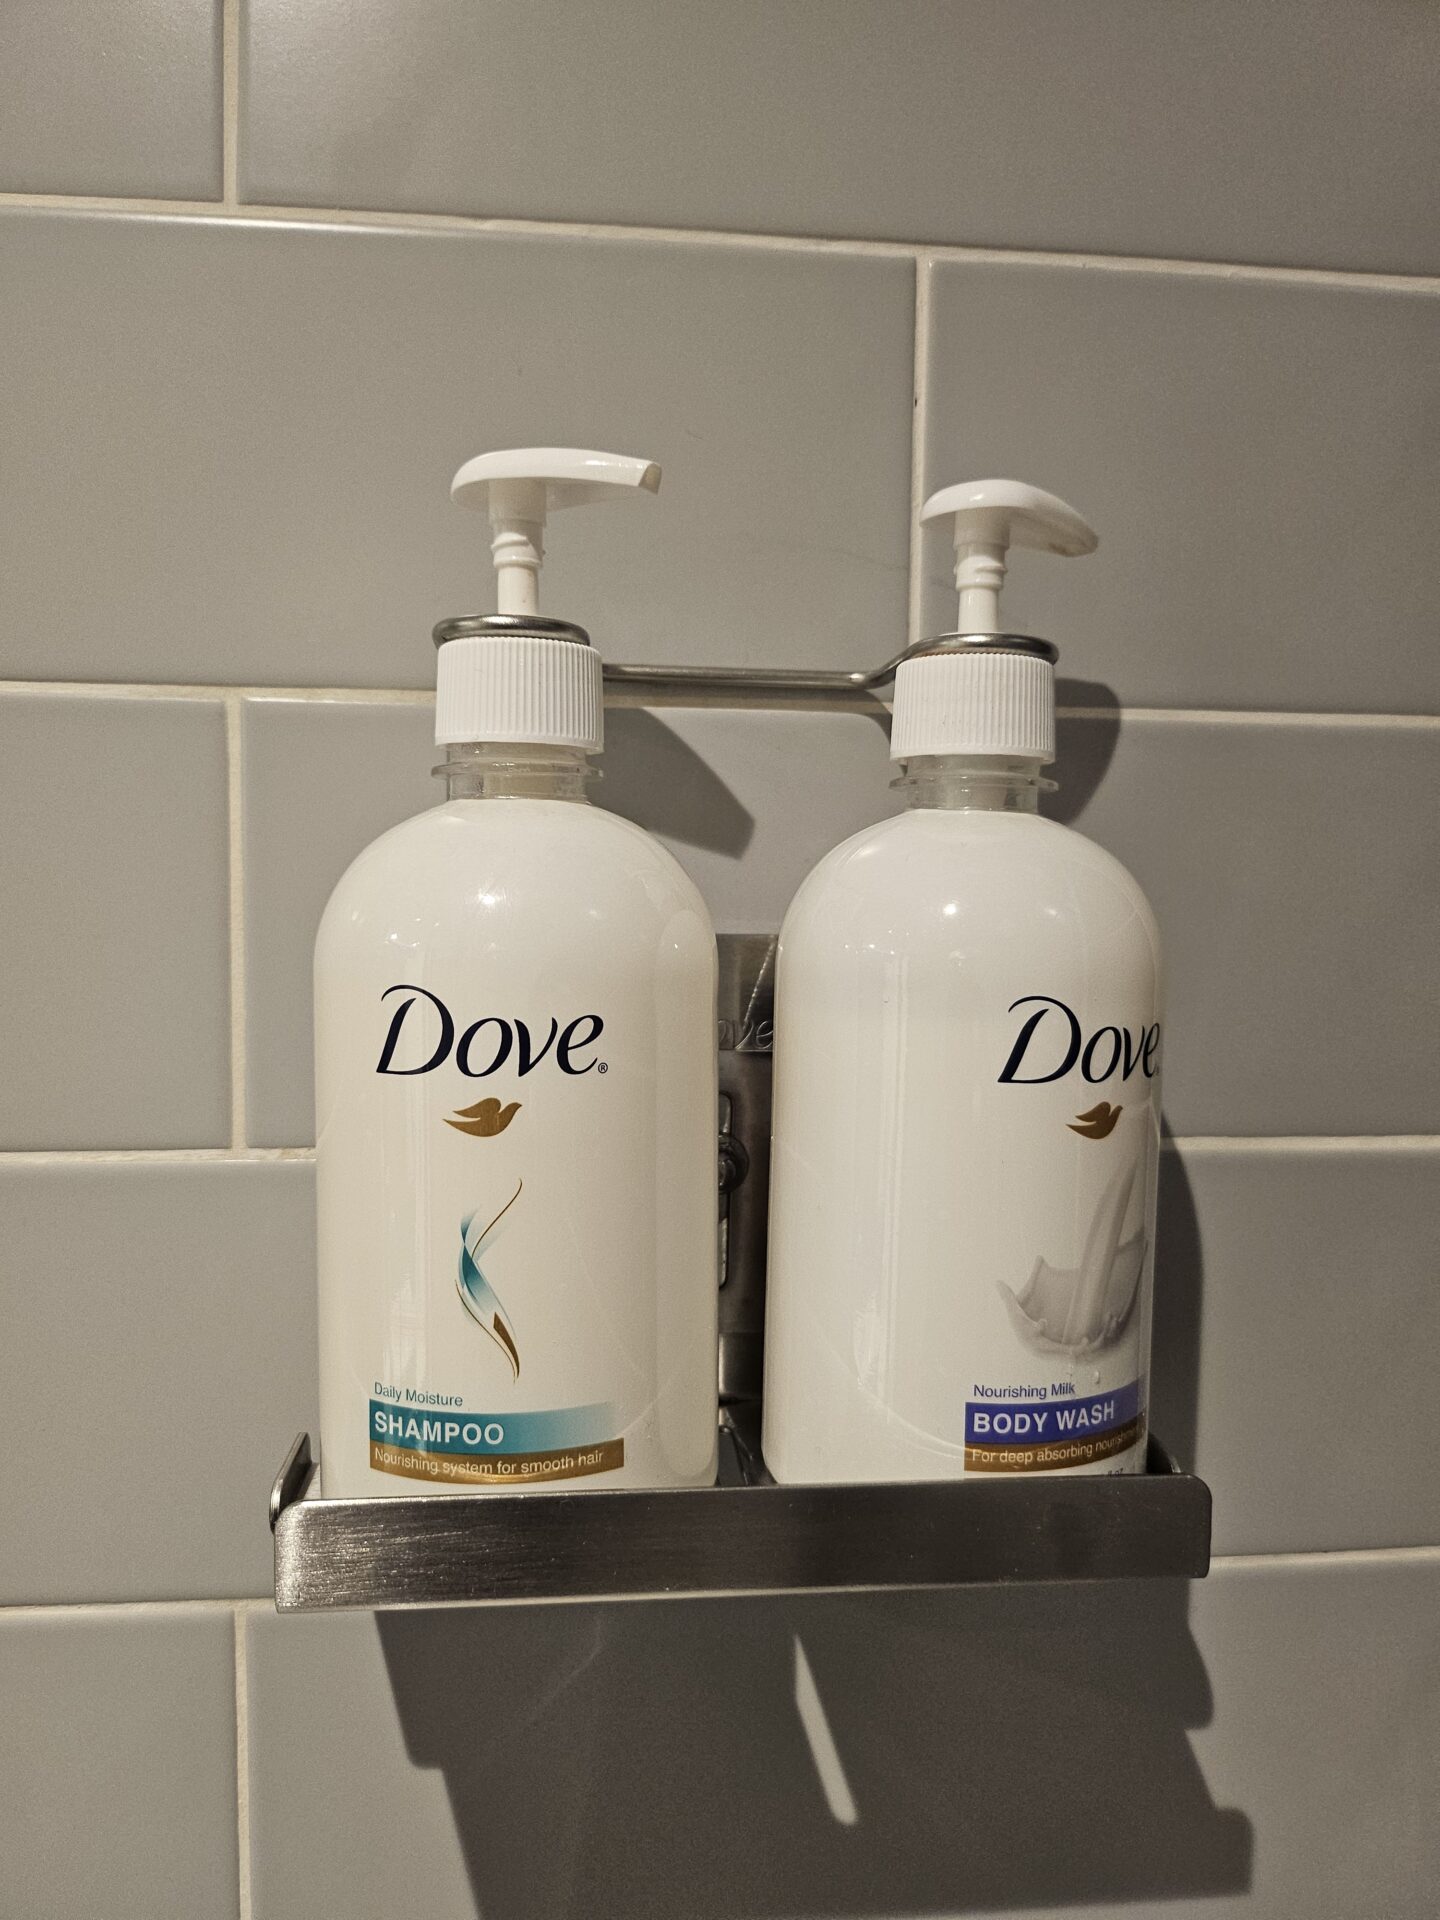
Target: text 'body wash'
[
  {"x": 967, "y": 1095},
  {"x": 515, "y": 1085}
]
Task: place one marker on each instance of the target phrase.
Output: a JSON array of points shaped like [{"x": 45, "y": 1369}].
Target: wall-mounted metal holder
[
  {"x": 742, "y": 1536},
  {"x": 745, "y": 1535}
]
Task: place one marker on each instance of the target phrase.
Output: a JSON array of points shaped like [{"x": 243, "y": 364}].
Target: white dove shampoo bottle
[
  {"x": 967, "y": 1117},
  {"x": 515, "y": 1086}
]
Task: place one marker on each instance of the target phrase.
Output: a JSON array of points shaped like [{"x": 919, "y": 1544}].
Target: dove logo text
[
  {"x": 1107, "y": 1051},
  {"x": 487, "y": 1044}
]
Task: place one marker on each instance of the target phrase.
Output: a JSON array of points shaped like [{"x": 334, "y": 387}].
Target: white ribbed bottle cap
[
  {"x": 531, "y": 688},
  {"x": 978, "y": 699}
]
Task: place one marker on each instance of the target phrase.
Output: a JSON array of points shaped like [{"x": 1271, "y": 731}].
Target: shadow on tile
[
  {"x": 1179, "y": 1295},
  {"x": 1084, "y": 748},
  {"x": 659, "y": 781},
  {"x": 996, "y": 1749}
]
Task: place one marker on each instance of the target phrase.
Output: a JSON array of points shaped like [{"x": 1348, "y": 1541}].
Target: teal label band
[{"x": 415, "y": 1430}]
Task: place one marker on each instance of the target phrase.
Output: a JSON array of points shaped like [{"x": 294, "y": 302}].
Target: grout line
[
  {"x": 215, "y": 690},
  {"x": 242, "y": 1763},
  {"x": 113, "y": 1609},
  {"x": 1195, "y": 1143},
  {"x": 155, "y": 1156},
  {"x": 1321, "y": 1556},
  {"x": 257, "y": 213},
  {"x": 239, "y": 1609},
  {"x": 230, "y": 102},
  {"x": 425, "y": 696},
  {"x": 234, "y": 756},
  {"x": 918, "y": 444},
  {"x": 1246, "y": 717}
]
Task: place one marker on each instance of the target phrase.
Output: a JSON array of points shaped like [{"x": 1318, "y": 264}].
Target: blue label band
[{"x": 1031, "y": 1423}]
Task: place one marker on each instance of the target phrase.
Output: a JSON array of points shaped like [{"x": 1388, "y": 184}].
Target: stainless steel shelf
[{"x": 743, "y": 1536}]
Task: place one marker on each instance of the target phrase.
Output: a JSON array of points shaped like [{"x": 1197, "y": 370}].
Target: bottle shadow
[
  {"x": 1087, "y": 729},
  {"x": 1179, "y": 1292},
  {"x": 984, "y": 1748},
  {"x": 653, "y": 777}
]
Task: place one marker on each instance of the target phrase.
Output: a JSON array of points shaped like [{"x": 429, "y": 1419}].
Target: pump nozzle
[
  {"x": 991, "y": 516},
  {"x": 521, "y": 486}
]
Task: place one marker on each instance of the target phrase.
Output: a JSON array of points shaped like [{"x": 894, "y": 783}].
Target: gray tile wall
[{"x": 267, "y": 273}]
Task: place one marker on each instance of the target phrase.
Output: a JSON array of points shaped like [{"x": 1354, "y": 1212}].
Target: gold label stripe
[
  {"x": 1082, "y": 1450},
  {"x": 498, "y": 1469}
]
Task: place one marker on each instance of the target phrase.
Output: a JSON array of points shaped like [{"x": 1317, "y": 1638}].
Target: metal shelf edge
[{"x": 747, "y": 1539}]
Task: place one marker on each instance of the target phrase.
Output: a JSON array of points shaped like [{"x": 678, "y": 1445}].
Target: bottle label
[
  {"x": 1020, "y": 1430},
  {"x": 419, "y": 1443}
]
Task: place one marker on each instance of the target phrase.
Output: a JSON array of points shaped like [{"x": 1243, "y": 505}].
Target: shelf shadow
[{"x": 1002, "y": 1749}]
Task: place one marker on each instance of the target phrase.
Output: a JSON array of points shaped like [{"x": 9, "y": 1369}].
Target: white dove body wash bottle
[
  {"x": 515, "y": 1075},
  {"x": 967, "y": 1114}
]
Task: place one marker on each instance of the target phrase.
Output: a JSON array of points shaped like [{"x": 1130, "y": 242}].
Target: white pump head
[
  {"x": 512, "y": 676},
  {"x": 981, "y": 690},
  {"x": 523, "y": 485},
  {"x": 991, "y": 516}
]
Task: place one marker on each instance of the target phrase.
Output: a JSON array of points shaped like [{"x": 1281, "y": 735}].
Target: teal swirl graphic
[{"x": 477, "y": 1296}]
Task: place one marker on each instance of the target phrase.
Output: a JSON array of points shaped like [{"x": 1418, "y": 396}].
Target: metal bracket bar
[{"x": 770, "y": 689}]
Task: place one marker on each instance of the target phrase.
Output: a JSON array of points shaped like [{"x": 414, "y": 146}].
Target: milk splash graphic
[
  {"x": 477, "y": 1296},
  {"x": 1084, "y": 1309}
]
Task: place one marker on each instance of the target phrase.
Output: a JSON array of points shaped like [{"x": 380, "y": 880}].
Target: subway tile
[
  {"x": 535, "y": 1761},
  {"x": 1296, "y": 1320},
  {"x": 290, "y": 403},
  {"x": 1326, "y": 1731},
  {"x": 1290, "y": 869},
  {"x": 1242, "y": 447},
  {"x": 747, "y": 802},
  {"x": 115, "y": 963},
  {"x": 116, "y": 97},
  {"x": 325, "y": 1740},
  {"x": 350, "y": 772},
  {"x": 1273, "y": 1754},
  {"x": 168, "y": 1312},
  {"x": 1215, "y": 131},
  {"x": 117, "y": 1769}
]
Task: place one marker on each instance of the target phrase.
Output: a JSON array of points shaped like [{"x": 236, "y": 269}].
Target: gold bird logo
[
  {"x": 485, "y": 1119},
  {"x": 1098, "y": 1123}
]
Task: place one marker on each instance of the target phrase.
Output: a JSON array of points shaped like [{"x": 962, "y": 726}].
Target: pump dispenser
[
  {"x": 515, "y": 1083},
  {"x": 981, "y": 690},
  {"x": 511, "y": 675},
  {"x": 967, "y": 1113}
]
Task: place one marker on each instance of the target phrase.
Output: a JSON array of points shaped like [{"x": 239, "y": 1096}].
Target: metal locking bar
[{"x": 746, "y": 1007}]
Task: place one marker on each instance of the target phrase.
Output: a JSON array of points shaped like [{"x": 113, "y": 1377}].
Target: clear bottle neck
[
  {"x": 484, "y": 770},
  {"x": 973, "y": 783}
]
